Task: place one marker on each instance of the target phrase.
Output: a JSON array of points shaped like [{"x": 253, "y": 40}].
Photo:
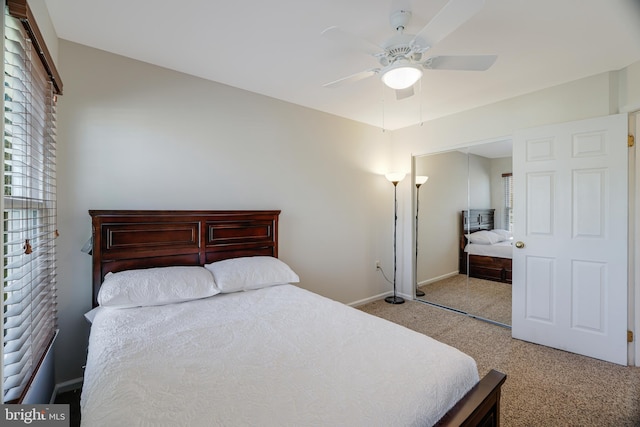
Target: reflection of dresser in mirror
[{"x": 485, "y": 261}]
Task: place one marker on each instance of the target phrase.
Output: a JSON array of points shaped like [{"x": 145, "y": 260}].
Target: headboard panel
[
  {"x": 132, "y": 239},
  {"x": 474, "y": 220},
  {"x": 477, "y": 219}
]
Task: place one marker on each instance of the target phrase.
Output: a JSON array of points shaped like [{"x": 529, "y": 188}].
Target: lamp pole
[
  {"x": 419, "y": 181},
  {"x": 395, "y": 179}
]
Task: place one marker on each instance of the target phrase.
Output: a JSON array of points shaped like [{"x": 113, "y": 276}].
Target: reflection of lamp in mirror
[
  {"x": 395, "y": 178},
  {"x": 420, "y": 179}
]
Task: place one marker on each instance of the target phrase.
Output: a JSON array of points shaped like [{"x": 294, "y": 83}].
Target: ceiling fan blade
[
  {"x": 350, "y": 41},
  {"x": 448, "y": 19},
  {"x": 404, "y": 93},
  {"x": 353, "y": 77},
  {"x": 460, "y": 62}
]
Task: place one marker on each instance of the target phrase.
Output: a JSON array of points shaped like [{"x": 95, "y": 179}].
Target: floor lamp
[
  {"x": 395, "y": 178},
  {"x": 420, "y": 179}
]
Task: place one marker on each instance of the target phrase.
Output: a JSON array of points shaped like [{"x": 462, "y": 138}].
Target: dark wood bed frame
[
  {"x": 132, "y": 239},
  {"x": 482, "y": 267}
]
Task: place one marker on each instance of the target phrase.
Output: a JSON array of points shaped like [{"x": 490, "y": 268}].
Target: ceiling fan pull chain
[
  {"x": 382, "y": 108},
  {"x": 420, "y": 95}
]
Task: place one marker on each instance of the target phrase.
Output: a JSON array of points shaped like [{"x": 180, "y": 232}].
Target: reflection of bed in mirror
[{"x": 485, "y": 253}]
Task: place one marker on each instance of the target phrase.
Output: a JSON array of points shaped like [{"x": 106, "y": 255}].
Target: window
[
  {"x": 508, "y": 201},
  {"x": 29, "y": 202}
]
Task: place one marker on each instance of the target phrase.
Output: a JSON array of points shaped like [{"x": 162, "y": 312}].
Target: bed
[
  {"x": 485, "y": 252},
  {"x": 260, "y": 350}
]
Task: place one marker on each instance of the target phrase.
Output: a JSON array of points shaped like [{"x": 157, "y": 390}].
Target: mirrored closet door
[{"x": 465, "y": 200}]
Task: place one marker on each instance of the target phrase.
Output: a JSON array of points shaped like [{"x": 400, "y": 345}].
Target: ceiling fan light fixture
[{"x": 401, "y": 76}]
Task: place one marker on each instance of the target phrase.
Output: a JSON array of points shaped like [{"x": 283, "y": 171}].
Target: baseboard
[
  {"x": 436, "y": 279},
  {"x": 65, "y": 386},
  {"x": 379, "y": 297},
  {"x": 370, "y": 299}
]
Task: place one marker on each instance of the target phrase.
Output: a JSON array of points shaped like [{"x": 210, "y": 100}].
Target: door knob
[{"x": 519, "y": 245}]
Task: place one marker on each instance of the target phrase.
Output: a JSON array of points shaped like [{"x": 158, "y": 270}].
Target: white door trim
[{"x": 634, "y": 245}]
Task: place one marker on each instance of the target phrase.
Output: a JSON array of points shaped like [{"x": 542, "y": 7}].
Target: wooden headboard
[
  {"x": 474, "y": 220},
  {"x": 477, "y": 219},
  {"x": 132, "y": 239}
]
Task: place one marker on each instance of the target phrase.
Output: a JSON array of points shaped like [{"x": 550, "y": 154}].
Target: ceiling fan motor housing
[
  {"x": 399, "y": 46},
  {"x": 399, "y": 19}
]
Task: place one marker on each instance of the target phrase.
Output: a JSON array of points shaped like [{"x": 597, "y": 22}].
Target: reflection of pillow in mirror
[
  {"x": 484, "y": 237},
  {"x": 505, "y": 234}
]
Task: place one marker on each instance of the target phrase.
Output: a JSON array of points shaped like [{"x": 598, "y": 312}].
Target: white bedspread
[
  {"x": 280, "y": 356},
  {"x": 502, "y": 249}
]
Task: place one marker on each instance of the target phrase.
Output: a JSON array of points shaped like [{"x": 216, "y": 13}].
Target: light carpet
[
  {"x": 482, "y": 298},
  {"x": 544, "y": 386}
]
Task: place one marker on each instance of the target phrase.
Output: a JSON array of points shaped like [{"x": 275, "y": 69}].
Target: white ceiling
[{"x": 275, "y": 47}]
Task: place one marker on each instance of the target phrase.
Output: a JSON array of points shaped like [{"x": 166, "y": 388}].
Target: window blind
[
  {"x": 29, "y": 211},
  {"x": 508, "y": 200}
]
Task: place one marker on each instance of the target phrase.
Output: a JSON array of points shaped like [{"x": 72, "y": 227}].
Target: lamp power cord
[{"x": 384, "y": 275}]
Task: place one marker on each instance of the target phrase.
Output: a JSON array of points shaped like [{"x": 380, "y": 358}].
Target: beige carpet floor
[
  {"x": 482, "y": 298},
  {"x": 544, "y": 386}
]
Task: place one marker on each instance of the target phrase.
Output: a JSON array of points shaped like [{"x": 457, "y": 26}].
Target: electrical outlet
[{"x": 377, "y": 265}]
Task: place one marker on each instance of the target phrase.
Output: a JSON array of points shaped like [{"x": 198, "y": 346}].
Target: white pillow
[
  {"x": 504, "y": 234},
  {"x": 484, "y": 237},
  {"x": 241, "y": 274},
  {"x": 156, "y": 286},
  {"x": 91, "y": 314}
]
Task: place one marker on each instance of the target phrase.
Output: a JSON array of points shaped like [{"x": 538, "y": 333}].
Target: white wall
[
  {"x": 41, "y": 13},
  {"x": 135, "y": 136},
  {"x": 479, "y": 182},
  {"x": 442, "y": 198},
  {"x": 629, "y": 88},
  {"x": 588, "y": 97}
]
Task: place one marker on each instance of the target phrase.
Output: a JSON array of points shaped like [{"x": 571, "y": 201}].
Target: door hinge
[
  {"x": 631, "y": 141},
  {"x": 629, "y": 336}
]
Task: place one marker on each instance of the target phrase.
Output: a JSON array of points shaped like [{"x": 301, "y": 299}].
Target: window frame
[
  {"x": 508, "y": 201},
  {"x": 33, "y": 206}
]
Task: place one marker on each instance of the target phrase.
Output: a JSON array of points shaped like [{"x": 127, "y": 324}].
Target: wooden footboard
[
  {"x": 490, "y": 268},
  {"x": 480, "y": 406}
]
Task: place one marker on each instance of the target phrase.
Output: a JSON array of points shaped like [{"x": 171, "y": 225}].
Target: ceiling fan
[{"x": 402, "y": 58}]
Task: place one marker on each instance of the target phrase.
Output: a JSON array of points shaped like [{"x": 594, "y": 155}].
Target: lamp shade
[
  {"x": 401, "y": 76},
  {"x": 395, "y": 177},
  {"x": 421, "y": 179}
]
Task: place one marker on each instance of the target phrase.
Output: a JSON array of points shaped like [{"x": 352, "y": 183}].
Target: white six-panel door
[{"x": 570, "y": 207}]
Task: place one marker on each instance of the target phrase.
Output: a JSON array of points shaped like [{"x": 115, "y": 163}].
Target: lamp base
[
  {"x": 419, "y": 293},
  {"x": 394, "y": 300}
]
